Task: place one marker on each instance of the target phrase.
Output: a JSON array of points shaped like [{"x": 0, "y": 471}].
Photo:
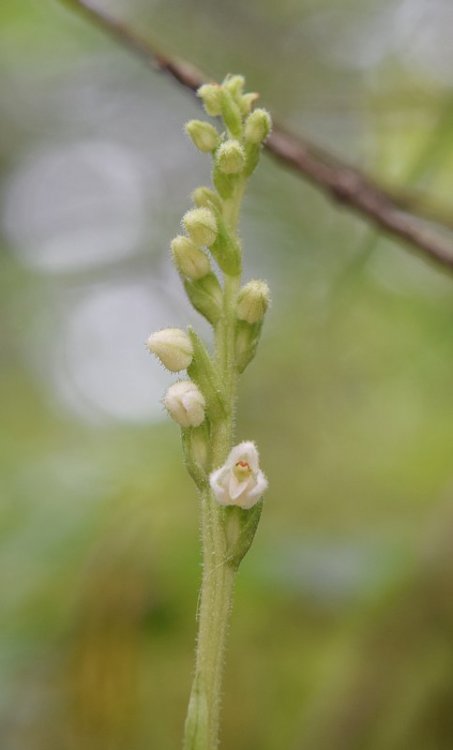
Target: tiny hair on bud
[
  {"x": 230, "y": 157},
  {"x": 201, "y": 226}
]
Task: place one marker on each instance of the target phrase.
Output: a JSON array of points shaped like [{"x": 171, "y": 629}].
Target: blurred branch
[
  {"x": 342, "y": 182},
  {"x": 422, "y": 204}
]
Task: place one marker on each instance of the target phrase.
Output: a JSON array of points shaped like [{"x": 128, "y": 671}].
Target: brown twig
[{"x": 343, "y": 183}]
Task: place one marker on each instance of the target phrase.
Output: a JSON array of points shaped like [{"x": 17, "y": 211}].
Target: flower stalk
[{"x": 229, "y": 480}]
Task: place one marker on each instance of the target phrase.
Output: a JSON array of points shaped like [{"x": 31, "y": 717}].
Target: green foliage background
[{"x": 341, "y": 634}]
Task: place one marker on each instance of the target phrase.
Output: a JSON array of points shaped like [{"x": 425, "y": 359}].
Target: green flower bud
[
  {"x": 204, "y": 135},
  {"x": 230, "y": 157},
  {"x": 247, "y": 101},
  {"x": 201, "y": 226},
  {"x": 257, "y": 126},
  {"x": 205, "y": 197},
  {"x": 189, "y": 259},
  {"x": 231, "y": 113},
  {"x": 211, "y": 96},
  {"x": 173, "y": 347},
  {"x": 253, "y": 301},
  {"x": 235, "y": 85},
  {"x": 185, "y": 403}
]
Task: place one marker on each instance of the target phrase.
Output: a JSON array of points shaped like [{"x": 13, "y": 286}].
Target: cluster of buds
[
  {"x": 209, "y": 237},
  {"x": 184, "y": 401}
]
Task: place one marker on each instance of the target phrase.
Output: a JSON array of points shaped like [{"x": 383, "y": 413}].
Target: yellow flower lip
[{"x": 242, "y": 470}]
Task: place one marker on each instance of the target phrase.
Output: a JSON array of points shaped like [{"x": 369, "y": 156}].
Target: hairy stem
[{"x": 202, "y": 722}]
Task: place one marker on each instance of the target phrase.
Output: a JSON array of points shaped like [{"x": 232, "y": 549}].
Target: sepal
[
  {"x": 226, "y": 249},
  {"x": 240, "y": 529},
  {"x": 204, "y": 372},
  {"x": 195, "y": 443},
  {"x": 204, "y": 197},
  {"x": 231, "y": 113},
  {"x": 205, "y": 295},
  {"x": 247, "y": 339}
]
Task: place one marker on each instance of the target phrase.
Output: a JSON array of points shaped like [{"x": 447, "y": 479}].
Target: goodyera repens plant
[{"x": 229, "y": 479}]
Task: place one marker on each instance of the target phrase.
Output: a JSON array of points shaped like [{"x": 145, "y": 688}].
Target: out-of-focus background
[{"x": 342, "y": 629}]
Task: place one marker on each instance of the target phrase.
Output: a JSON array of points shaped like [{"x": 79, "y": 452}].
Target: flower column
[{"x": 229, "y": 480}]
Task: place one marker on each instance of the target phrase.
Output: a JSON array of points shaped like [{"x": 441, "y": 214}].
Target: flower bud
[
  {"x": 201, "y": 226},
  {"x": 235, "y": 85},
  {"x": 204, "y": 135},
  {"x": 253, "y": 301},
  {"x": 231, "y": 113},
  {"x": 257, "y": 126},
  {"x": 211, "y": 96},
  {"x": 173, "y": 347},
  {"x": 189, "y": 259},
  {"x": 185, "y": 403},
  {"x": 247, "y": 101},
  {"x": 230, "y": 157},
  {"x": 204, "y": 197}
]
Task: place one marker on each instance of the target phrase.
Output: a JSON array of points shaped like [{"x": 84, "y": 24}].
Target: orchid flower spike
[{"x": 240, "y": 480}]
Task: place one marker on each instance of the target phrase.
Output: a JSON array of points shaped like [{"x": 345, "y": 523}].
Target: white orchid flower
[
  {"x": 185, "y": 403},
  {"x": 240, "y": 480}
]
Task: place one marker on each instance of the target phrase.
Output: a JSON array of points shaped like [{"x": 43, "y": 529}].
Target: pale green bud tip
[
  {"x": 189, "y": 259},
  {"x": 230, "y": 157},
  {"x": 185, "y": 403},
  {"x": 253, "y": 301},
  {"x": 235, "y": 84},
  {"x": 201, "y": 226},
  {"x": 211, "y": 96},
  {"x": 204, "y": 135},
  {"x": 173, "y": 347},
  {"x": 204, "y": 196},
  {"x": 247, "y": 101},
  {"x": 257, "y": 126}
]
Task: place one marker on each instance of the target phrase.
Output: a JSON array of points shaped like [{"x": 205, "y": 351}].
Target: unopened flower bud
[
  {"x": 204, "y": 135},
  {"x": 257, "y": 126},
  {"x": 173, "y": 347},
  {"x": 247, "y": 101},
  {"x": 230, "y": 157},
  {"x": 204, "y": 196},
  {"x": 231, "y": 113},
  {"x": 189, "y": 259},
  {"x": 201, "y": 226},
  {"x": 235, "y": 85},
  {"x": 185, "y": 403},
  {"x": 211, "y": 96},
  {"x": 253, "y": 301}
]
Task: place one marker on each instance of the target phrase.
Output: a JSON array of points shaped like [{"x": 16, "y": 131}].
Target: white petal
[
  {"x": 217, "y": 481},
  {"x": 235, "y": 487},
  {"x": 229, "y": 490},
  {"x": 260, "y": 487},
  {"x": 245, "y": 451}
]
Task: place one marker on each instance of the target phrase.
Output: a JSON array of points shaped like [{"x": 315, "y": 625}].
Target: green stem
[{"x": 202, "y": 722}]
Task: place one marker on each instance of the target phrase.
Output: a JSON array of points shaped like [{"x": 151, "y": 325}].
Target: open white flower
[{"x": 240, "y": 480}]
